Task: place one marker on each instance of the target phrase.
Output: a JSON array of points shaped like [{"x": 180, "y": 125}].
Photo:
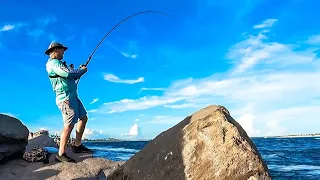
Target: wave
[
  {"x": 108, "y": 148},
  {"x": 124, "y": 157},
  {"x": 293, "y": 167},
  {"x": 271, "y": 155}
]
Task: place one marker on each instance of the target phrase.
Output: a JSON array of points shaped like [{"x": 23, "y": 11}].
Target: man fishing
[{"x": 63, "y": 83}]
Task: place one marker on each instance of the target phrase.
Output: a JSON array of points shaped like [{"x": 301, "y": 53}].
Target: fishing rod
[{"x": 142, "y": 12}]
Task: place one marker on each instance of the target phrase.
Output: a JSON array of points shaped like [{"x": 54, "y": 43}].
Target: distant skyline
[{"x": 257, "y": 58}]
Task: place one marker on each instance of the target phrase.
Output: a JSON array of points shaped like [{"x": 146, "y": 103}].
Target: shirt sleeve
[{"x": 63, "y": 71}]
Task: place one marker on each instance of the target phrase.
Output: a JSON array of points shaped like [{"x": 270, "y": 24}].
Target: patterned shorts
[{"x": 72, "y": 110}]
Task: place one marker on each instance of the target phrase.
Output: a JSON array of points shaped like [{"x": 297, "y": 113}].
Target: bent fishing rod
[{"x": 142, "y": 12}]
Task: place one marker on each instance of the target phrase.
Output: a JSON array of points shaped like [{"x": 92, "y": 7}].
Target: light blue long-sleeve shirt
[{"x": 63, "y": 79}]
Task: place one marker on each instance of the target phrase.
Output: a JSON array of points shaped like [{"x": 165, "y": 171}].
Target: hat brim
[{"x": 47, "y": 52}]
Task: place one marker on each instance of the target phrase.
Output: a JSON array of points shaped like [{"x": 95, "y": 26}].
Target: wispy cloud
[
  {"x": 9, "y": 27},
  {"x": 116, "y": 79},
  {"x": 180, "y": 106},
  {"x": 253, "y": 50},
  {"x": 278, "y": 72},
  {"x": 314, "y": 40},
  {"x": 151, "y": 89},
  {"x": 145, "y": 102},
  {"x": 40, "y": 29},
  {"x": 132, "y": 56},
  {"x": 43, "y": 22},
  {"x": 266, "y": 24},
  {"x": 164, "y": 120},
  {"x": 129, "y": 50},
  {"x": 94, "y": 100}
]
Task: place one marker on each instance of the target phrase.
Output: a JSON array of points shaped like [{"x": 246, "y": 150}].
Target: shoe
[
  {"x": 81, "y": 149},
  {"x": 64, "y": 158}
]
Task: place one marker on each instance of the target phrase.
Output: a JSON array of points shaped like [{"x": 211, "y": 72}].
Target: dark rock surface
[{"x": 13, "y": 137}]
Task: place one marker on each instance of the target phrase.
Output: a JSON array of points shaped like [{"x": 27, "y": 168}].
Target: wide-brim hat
[{"x": 55, "y": 45}]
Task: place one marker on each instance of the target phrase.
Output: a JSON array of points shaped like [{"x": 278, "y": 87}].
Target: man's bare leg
[
  {"x": 80, "y": 129},
  {"x": 64, "y": 138}
]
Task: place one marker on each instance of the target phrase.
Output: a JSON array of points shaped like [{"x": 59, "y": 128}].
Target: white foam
[
  {"x": 108, "y": 148},
  {"x": 270, "y": 156},
  {"x": 125, "y": 157},
  {"x": 293, "y": 167}
]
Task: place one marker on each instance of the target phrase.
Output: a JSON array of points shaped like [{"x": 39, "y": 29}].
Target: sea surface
[{"x": 286, "y": 158}]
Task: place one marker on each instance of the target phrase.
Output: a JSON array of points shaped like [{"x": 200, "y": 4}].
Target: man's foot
[
  {"x": 81, "y": 149},
  {"x": 64, "y": 158}
]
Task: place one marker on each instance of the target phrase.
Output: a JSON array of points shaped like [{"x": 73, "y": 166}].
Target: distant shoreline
[
  {"x": 145, "y": 140},
  {"x": 114, "y": 140},
  {"x": 291, "y": 136}
]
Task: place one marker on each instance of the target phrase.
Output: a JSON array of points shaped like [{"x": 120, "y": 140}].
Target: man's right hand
[{"x": 83, "y": 67}]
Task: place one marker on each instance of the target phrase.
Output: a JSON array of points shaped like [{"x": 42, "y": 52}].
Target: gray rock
[
  {"x": 13, "y": 137},
  {"x": 86, "y": 166},
  {"x": 208, "y": 144},
  {"x": 41, "y": 141},
  {"x": 12, "y": 128}
]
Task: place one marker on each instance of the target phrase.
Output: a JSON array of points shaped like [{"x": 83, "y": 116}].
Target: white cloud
[
  {"x": 134, "y": 133},
  {"x": 93, "y": 134},
  {"x": 7, "y": 27},
  {"x": 314, "y": 40},
  {"x": 246, "y": 122},
  {"x": 267, "y": 23},
  {"x": 92, "y": 119},
  {"x": 115, "y": 79},
  {"x": 151, "y": 89},
  {"x": 269, "y": 84},
  {"x": 43, "y": 22},
  {"x": 138, "y": 104},
  {"x": 94, "y": 100},
  {"x": 134, "y": 130},
  {"x": 165, "y": 120},
  {"x": 92, "y": 111},
  {"x": 130, "y": 46},
  {"x": 180, "y": 106},
  {"x": 132, "y": 56}
]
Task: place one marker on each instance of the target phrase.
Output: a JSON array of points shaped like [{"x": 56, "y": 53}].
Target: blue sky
[{"x": 258, "y": 58}]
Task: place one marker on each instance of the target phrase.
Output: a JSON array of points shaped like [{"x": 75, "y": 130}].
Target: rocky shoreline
[{"x": 209, "y": 144}]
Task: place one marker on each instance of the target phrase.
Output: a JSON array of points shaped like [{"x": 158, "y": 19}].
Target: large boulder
[
  {"x": 41, "y": 141},
  {"x": 13, "y": 137},
  {"x": 206, "y": 145}
]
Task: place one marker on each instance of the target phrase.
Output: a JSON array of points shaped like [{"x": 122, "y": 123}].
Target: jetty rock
[
  {"x": 207, "y": 145},
  {"x": 13, "y": 137},
  {"x": 86, "y": 167}
]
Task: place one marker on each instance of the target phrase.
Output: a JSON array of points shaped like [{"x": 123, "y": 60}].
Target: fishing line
[{"x": 142, "y": 12}]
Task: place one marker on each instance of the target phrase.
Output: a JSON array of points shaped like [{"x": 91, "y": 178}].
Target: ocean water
[{"x": 286, "y": 158}]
